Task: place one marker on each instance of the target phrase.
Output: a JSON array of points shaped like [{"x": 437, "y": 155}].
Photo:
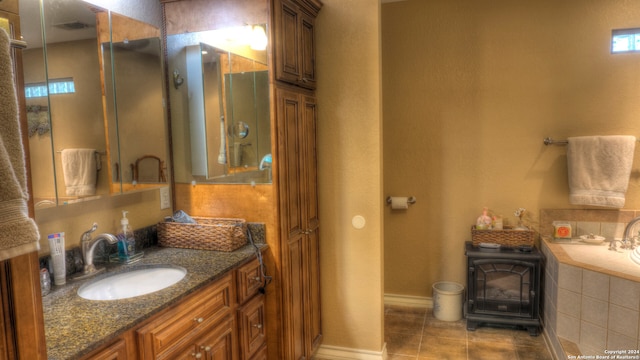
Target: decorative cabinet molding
[
  {"x": 294, "y": 53},
  {"x": 296, "y": 121},
  {"x": 187, "y": 320}
]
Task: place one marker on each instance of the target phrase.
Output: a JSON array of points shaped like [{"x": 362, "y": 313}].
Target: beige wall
[
  {"x": 350, "y": 173},
  {"x": 471, "y": 88}
]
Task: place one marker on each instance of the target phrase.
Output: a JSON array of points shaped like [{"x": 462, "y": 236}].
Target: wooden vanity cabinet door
[
  {"x": 122, "y": 348},
  {"x": 177, "y": 326},
  {"x": 216, "y": 343},
  {"x": 115, "y": 351},
  {"x": 249, "y": 281},
  {"x": 262, "y": 354},
  {"x": 251, "y": 327}
]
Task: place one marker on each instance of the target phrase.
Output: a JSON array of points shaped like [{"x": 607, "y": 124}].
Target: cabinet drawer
[
  {"x": 249, "y": 281},
  {"x": 251, "y": 327},
  {"x": 176, "y": 326}
]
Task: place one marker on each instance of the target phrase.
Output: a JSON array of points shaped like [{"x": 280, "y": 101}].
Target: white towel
[
  {"x": 79, "y": 168},
  {"x": 599, "y": 169},
  {"x": 18, "y": 233}
]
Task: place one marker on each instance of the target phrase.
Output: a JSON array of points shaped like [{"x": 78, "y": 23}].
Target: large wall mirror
[
  {"x": 95, "y": 102},
  {"x": 220, "y": 105}
]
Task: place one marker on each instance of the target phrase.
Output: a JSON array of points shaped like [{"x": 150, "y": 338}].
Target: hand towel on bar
[
  {"x": 18, "y": 233},
  {"x": 79, "y": 170},
  {"x": 599, "y": 169}
]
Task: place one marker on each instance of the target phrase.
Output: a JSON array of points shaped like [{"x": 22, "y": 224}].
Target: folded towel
[
  {"x": 18, "y": 233},
  {"x": 599, "y": 169},
  {"x": 79, "y": 168}
]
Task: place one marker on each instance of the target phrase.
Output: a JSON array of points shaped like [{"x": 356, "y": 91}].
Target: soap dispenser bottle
[{"x": 127, "y": 242}]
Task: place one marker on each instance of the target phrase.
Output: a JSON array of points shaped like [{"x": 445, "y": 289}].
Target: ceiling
[{"x": 65, "y": 20}]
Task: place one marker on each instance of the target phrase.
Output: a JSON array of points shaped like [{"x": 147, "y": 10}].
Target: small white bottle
[{"x": 126, "y": 240}]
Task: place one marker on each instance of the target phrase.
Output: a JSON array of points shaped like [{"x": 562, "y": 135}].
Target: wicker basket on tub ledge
[
  {"x": 505, "y": 237},
  {"x": 220, "y": 234}
]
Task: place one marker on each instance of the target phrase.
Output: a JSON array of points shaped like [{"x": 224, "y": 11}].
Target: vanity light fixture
[
  {"x": 254, "y": 36},
  {"x": 258, "y": 38}
]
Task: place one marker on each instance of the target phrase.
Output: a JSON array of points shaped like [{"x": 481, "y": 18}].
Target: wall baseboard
[
  {"x": 408, "y": 300},
  {"x": 327, "y": 352}
]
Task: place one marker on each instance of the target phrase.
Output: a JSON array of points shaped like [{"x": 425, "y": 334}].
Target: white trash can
[{"x": 447, "y": 301}]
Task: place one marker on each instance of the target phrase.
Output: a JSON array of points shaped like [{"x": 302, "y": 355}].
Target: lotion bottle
[
  {"x": 126, "y": 240},
  {"x": 484, "y": 220}
]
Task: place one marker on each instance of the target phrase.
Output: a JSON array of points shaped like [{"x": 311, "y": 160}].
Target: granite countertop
[{"x": 75, "y": 326}]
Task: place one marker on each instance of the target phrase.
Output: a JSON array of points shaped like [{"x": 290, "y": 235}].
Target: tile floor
[{"x": 415, "y": 334}]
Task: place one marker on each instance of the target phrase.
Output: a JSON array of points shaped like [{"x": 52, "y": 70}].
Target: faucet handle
[{"x": 87, "y": 234}]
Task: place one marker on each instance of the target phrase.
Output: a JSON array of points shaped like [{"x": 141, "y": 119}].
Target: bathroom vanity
[{"x": 215, "y": 312}]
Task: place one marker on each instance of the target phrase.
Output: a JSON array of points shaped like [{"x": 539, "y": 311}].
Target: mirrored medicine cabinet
[
  {"x": 93, "y": 80},
  {"x": 220, "y": 106}
]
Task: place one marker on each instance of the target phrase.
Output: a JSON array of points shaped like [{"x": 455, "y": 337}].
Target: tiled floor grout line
[{"x": 424, "y": 324}]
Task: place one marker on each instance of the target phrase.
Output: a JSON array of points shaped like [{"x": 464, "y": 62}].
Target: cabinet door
[
  {"x": 287, "y": 37},
  {"x": 312, "y": 224},
  {"x": 216, "y": 343},
  {"x": 297, "y": 115},
  {"x": 292, "y": 223},
  {"x": 307, "y": 51},
  {"x": 295, "y": 43},
  {"x": 115, "y": 351},
  {"x": 251, "y": 327},
  {"x": 221, "y": 343}
]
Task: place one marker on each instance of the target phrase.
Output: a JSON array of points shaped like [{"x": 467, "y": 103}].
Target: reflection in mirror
[
  {"x": 220, "y": 109},
  {"x": 64, "y": 100},
  {"x": 138, "y": 132},
  {"x": 66, "y": 76}
]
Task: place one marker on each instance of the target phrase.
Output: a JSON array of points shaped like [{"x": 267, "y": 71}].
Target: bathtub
[{"x": 591, "y": 299}]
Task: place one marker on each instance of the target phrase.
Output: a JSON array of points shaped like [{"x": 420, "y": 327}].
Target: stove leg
[
  {"x": 533, "y": 330},
  {"x": 471, "y": 325}
]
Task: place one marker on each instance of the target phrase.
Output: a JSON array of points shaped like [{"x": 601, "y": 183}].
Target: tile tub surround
[
  {"x": 588, "y": 307},
  {"x": 75, "y": 326}
]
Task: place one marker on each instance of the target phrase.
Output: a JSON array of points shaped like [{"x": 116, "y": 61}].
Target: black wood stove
[{"x": 503, "y": 287}]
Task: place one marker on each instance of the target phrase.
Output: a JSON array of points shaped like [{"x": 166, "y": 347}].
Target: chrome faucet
[
  {"x": 88, "y": 247},
  {"x": 612, "y": 245},
  {"x": 629, "y": 242}
]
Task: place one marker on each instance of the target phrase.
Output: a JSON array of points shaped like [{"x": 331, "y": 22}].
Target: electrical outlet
[{"x": 165, "y": 199}]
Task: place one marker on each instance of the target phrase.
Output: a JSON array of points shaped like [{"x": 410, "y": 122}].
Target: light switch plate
[{"x": 165, "y": 199}]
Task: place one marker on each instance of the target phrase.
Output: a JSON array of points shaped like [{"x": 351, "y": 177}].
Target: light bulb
[{"x": 258, "y": 38}]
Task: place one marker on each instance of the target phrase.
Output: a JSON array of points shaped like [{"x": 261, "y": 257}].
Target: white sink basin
[
  {"x": 635, "y": 255},
  {"x": 137, "y": 282}
]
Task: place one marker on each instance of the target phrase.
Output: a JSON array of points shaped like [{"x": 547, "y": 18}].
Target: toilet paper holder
[{"x": 410, "y": 200}]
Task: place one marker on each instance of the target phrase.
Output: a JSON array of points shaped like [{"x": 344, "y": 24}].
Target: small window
[
  {"x": 56, "y": 86},
  {"x": 625, "y": 40}
]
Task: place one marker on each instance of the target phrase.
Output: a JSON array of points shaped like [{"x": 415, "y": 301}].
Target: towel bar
[
  {"x": 103, "y": 152},
  {"x": 18, "y": 44},
  {"x": 550, "y": 141}
]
